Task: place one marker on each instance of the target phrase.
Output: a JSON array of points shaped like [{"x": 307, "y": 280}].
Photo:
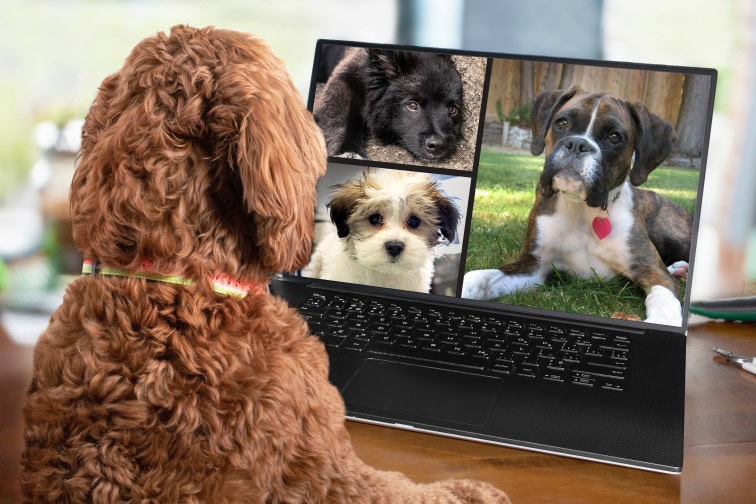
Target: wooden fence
[{"x": 661, "y": 92}]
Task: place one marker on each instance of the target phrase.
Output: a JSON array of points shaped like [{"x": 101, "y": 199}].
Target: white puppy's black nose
[{"x": 394, "y": 248}]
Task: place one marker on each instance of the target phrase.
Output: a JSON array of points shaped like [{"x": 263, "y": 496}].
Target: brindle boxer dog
[{"x": 588, "y": 216}]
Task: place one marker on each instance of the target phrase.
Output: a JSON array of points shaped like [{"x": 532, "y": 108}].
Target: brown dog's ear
[
  {"x": 262, "y": 130},
  {"x": 448, "y": 217},
  {"x": 100, "y": 114},
  {"x": 653, "y": 143},
  {"x": 347, "y": 196},
  {"x": 340, "y": 210},
  {"x": 545, "y": 105}
]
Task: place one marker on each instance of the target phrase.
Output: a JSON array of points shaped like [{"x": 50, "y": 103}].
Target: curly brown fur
[{"x": 199, "y": 156}]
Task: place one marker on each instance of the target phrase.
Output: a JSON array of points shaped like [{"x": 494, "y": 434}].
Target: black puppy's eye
[
  {"x": 562, "y": 123},
  {"x": 375, "y": 219},
  {"x": 614, "y": 138},
  {"x": 453, "y": 110},
  {"x": 413, "y": 222},
  {"x": 413, "y": 106}
]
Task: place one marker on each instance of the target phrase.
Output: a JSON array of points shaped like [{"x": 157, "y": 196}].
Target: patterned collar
[{"x": 222, "y": 283}]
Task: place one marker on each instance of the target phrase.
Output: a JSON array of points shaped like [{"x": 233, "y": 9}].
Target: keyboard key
[
  {"x": 454, "y": 350},
  {"x": 598, "y": 335},
  {"x": 526, "y": 372},
  {"x": 594, "y": 351},
  {"x": 599, "y": 365},
  {"x": 386, "y": 339},
  {"x": 479, "y": 354},
  {"x": 546, "y": 356},
  {"x": 557, "y": 376},
  {"x": 408, "y": 343},
  {"x": 317, "y": 299},
  {"x": 612, "y": 385},
  {"x": 586, "y": 382},
  {"x": 576, "y": 333},
  {"x": 403, "y": 332},
  {"x": 357, "y": 324},
  {"x": 424, "y": 333},
  {"x": 619, "y": 356},
  {"x": 495, "y": 345},
  {"x": 355, "y": 344},
  {"x": 618, "y": 374},
  {"x": 502, "y": 367},
  {"x": 424, "y": 326},
  {"x": 359, "y": 334},
  {"x": 432, "y": 346},
  {"x": 448, "y": 338}
]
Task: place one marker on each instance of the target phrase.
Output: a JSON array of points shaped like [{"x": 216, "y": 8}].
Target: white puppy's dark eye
[
  {"x": 375, "y": 219},
  {"x": 562, "y": 123},
  {"x": 453, "y": 110},
  {"x": 614, "y": 138},
  {"x": 413, "y": 106},
  {"x": 413, "y": 222}
]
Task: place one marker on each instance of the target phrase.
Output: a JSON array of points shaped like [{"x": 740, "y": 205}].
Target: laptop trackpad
[{"x": 408, "y": 390}]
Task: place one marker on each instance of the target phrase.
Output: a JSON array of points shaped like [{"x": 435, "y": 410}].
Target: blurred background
[{"x": 54, "y": 54}]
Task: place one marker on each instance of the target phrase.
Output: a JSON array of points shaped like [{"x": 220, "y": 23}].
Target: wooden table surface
[{"x": 720, "y": 440}]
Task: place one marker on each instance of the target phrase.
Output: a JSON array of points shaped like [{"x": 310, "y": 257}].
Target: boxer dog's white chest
[{"x": 566, "y": 241}]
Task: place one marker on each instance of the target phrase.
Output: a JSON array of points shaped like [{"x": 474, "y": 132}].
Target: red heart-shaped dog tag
[{"x": 602, "y": 226}]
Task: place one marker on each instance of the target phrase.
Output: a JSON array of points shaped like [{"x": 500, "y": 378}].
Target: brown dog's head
[
  {"x": 199, "y": 156},
  {"x": 595, "y": 141}
]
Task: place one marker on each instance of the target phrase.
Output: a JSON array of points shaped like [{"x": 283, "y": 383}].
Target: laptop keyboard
[{"x": 495, "y": 344}]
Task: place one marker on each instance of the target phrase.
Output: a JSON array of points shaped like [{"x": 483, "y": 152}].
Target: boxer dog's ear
[
  {"x": 545, "y": 105},
  {"x": 653, "y": 143}
]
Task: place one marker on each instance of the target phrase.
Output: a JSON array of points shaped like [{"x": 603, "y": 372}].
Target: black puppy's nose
[
  {"x": 434, "y": 144},
  {"x": 394, "y": 248},
  {"x": 577, "y": 145}
]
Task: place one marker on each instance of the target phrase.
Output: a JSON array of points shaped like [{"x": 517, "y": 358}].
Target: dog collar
[
  {"x": 601, "y": 225},
  {"x": 222, "y": 283}
]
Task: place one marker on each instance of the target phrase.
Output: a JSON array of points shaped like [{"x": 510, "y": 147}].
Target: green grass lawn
[{"x": 503, "y": 198}]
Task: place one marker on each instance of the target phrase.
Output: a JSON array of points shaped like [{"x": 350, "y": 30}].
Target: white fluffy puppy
[{"x": 387, "y": 224}]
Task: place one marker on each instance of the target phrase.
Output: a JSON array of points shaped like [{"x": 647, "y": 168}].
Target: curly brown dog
[{"x": 197, "y": 158}]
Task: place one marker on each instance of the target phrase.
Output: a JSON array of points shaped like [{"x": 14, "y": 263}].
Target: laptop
[{"x": 465, "y": 283}]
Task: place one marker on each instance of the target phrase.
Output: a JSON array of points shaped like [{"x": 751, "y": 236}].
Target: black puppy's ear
[
  {"x": 385, "y": 64},
  {"x": 653, "y": 143},
  {"x": 545, "y": 105},
  {"x": 448, "y": 217},
  {"x": 342, "y": 205}
]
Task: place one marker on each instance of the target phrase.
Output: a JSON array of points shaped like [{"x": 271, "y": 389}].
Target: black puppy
[{"x": 413, "y": 99}]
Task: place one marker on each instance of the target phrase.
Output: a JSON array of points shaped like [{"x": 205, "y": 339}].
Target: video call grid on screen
[{"x": 407, "y": 130}]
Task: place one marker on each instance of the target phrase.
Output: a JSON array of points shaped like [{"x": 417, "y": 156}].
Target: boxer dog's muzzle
[{"x": 574, "y": 168}]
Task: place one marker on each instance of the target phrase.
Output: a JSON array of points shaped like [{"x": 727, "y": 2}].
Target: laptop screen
[{"x": 560, "y": 185}]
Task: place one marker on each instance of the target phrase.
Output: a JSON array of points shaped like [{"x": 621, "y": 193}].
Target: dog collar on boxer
[{"x": 222, "y": 283}]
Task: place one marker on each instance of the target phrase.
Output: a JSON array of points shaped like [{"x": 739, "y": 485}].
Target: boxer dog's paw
[
  {"x": 493, "y": 283},
  {"x": 679, "y": 269},
  {"x": 663, "y": 307},
  {"x": 479, "y": 284}
]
